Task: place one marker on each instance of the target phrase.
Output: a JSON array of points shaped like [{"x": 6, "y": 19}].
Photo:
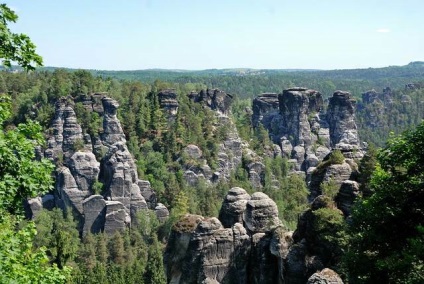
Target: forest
[{"x": 50, "y": 247}]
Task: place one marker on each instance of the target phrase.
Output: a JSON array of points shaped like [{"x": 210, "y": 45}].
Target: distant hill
[{"x": 248, "y": 82}]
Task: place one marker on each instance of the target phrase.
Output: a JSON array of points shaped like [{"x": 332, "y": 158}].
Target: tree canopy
[
  {"x": 387, "y": 229},
  {"x": 14, "y": 47}
]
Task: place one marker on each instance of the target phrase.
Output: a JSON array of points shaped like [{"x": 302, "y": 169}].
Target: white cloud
[{"x": 383, "y": 31}]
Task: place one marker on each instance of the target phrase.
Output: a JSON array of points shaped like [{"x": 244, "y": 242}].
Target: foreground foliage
[
  {"x": 387, "y": 229},
  {"x": 19, "y": 261}
]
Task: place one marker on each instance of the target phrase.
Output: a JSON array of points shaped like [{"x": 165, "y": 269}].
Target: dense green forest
[
  {"x": 383, "y": 240},
  {"x": 248, "y": 83},
  {"x": 157, "y": 146}
]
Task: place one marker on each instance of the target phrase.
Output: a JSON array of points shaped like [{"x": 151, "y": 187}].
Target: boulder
[
  {"x": 162, "y": 212},
  {"x": 116, "y": 217},
  {"x": 233, "y": 207},
  {"x": 349, "y": 191},
  {"x": 193, "y": 152},
  {"x": 94, "y": 214},
  {"x": 325, "y": 276},
  {"x": 261, "y": 213},
  {"x": 85, "y": 169}
]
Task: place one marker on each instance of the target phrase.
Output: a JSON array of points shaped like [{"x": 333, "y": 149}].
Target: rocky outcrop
[
  {"x": 310, "y": 252},
  {"x": 302, "y": 128},
  {"x": 261, "y": 213},
  {"x": 341, "y": 121},
  {"x": 66, "y": 132},
  {"x": 230, "y": 150},
  {"x": 332, "y": 174},
  {"x": 81, "y": 175},
  {"x": 215, "y": 99},
  {"x": 168, "y": 102},
  {"x": 112, "y": 130},
  {"x": 250, "y": 248},
  {"x": 296, "y": 106},
  {"x": 349, "y": 191},
  {"x": 34, "y": 205},
  {"x": 265, "y": 107},
  {"x": 247, "y": 244},
  {"x": 94, "y": 208},
  {"x": 325, "y": 276},
  {"x": 233, "y": 207},
  {"x": 161, "y": 212}
]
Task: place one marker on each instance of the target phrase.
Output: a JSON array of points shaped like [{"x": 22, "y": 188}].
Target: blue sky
[{"x": 204, "y": 34}]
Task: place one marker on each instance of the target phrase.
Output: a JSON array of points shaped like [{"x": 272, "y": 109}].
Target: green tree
[
  {"x": 387, "y": 232},
  {"x": 57, "y": 231},
  {"x": 16, "y": 47},
  {"x": 21, "y": 176},
  {"x": 19, "y": 261},
  {"x": 117, "y": 249},
  {"x": 155, "y": 271}
]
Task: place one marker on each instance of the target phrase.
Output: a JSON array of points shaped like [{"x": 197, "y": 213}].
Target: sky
[{"x": 206, "y": 34}]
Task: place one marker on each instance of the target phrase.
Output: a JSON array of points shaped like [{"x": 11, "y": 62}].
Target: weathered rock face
[
  {"x": 123, "y": 194},
  {"x": 265, "y": 107},
  {"x": 325, "y": 276},
  {"x": 161, "y": 212},
  {"x": 349, "y": 191},
  {"x": 95, "y": 213},
  {"x": 112, "y": 130},
  {"x": 206, "y": 251},
  {"x": 230, "y": 151},
  {"x": 296, "y": 105},
  {"x": 34, "y": 205},
  {"x": 335, "y": 174},
  {"x": 85, "y": 169},
  {"x": 66, "y": 132},
  {"x": 168, "y": 101},
  {"x": 341, "y": 121},
  {"x": 215, "y": 99},
  {"x": 233, "y": 207},
  {"x": 310, "y": 254},
  {"x": 261, "y": 213},
  {"x": 304, "y": 132}
]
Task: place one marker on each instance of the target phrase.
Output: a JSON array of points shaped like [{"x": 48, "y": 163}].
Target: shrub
[
  {"x": 78, "y": 145},
  {"x": 336, "y": 157}
]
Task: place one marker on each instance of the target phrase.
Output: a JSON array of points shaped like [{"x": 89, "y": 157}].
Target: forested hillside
[
  {"x": 248, "y": 83},
  {"x": 192, "y": 146},
  {"x": 214, "y": 176}
]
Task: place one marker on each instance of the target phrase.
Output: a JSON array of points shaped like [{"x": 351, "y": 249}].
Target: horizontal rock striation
[
  {"x": 168, "y": 101},
  {"x": 245, "y": 245}
]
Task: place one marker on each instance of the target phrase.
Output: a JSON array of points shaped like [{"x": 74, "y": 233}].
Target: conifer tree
[{"x": 155, "y": 271}]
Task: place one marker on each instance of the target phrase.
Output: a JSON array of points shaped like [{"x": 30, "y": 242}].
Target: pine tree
[
  {"x": 117, "y": 249},
  {"x": 155, "y": 271},
  {"x": 102, "y": 250}
]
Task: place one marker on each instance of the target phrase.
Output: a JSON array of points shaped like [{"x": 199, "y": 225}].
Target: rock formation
[
  {"x": 341, "y": 121},
  {"x": 229, "y": 150},
  {"x": 304, "y": 131},
  {"x": 168, "y": 101},
  {"x": 210, "y": 251},
  {"x": 325, "y": 276},
  {"x": 311, "y": 253},
  {"x": 79, "y": 173},
  {"x": 265, "y": 106},
  {"x": 215, "y": 99},
  {"x": 247, "y": 244}
]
